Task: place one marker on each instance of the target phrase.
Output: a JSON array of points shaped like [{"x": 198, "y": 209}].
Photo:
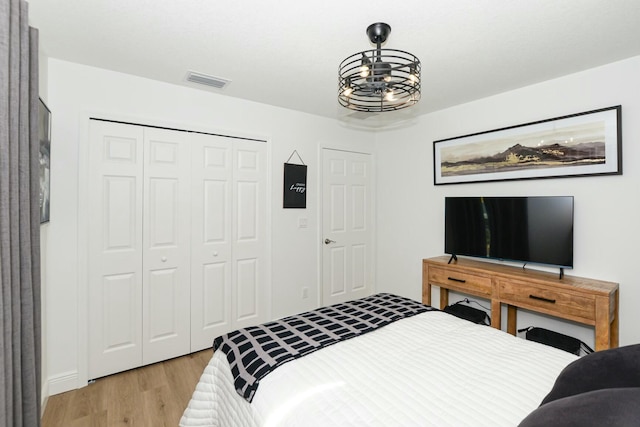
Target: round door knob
[
  {"x": 215, "y": 254},
  {"x": 163, "y": 259}
]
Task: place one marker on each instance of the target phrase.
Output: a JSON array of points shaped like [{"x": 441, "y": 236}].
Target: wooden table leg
[
  {"x": 444, "y": 298},
  {"x": 426, "y": 294},
  {"x": 512, "y": 319},
  {"x": 496, "y": 314},
  {"x": 603, "y": 324},
  {"x": 615, "y": 322}
]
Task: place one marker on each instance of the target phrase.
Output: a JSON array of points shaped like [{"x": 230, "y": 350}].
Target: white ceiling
[{"x": 286, "y": 52}]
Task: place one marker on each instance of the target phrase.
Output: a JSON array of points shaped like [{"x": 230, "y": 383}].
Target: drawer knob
[
  {"x": 456, "y": 280},
  {"x": 552, "y": 301}
]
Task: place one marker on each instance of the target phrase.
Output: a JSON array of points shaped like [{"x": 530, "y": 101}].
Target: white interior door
[
  {"x": 250, "y": 294},
  {"x": 211, "y": 262},
  {"x": 115, "y": 247},
  {"x": 347, "y": 207},
  {"x": 166, "y": 239}
]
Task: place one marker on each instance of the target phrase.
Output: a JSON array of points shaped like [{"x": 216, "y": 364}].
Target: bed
[{"x": 428, "y": 368}]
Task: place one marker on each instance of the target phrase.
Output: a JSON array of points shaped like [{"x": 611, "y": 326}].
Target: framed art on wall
[
  {"x": 44, "y": 136},
  {"x": 582, "y": 144},
  {"x": 295, "y": 184}
]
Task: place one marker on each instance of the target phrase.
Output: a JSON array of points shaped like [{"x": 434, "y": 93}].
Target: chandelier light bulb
[
  {"x": 365, "y": 66},
  {"x": 413, "y": 75},
  {"x": 348, "y": 89}
]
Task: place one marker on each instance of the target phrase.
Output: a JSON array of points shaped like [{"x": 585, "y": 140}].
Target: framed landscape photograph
[
  {"x": 582, "y": 144},
  {"x": 44, "y": 135}
]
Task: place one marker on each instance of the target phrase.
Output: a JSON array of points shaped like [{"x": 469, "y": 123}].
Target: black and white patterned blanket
[{"x": 255, "y": 351}]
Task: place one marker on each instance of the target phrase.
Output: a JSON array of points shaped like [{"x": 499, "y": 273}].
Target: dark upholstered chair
[{"x": 600, "y": 389}]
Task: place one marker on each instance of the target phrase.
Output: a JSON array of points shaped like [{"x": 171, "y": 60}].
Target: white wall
[
  {"x": 411, "y": 209},
  {"x": 77, "y": 91}
]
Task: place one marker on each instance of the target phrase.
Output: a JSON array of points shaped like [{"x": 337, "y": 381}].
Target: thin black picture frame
[
  {"x": 44, "y": 137},
  {"x": 576, "y": 145}
]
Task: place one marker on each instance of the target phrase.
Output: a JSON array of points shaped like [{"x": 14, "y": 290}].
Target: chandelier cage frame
[{"x": 379, "y": 80}]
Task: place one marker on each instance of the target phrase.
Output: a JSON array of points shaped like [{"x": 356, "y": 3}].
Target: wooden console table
[{"x": 587, "y": 301}]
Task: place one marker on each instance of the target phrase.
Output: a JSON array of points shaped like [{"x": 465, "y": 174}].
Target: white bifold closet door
[
  {"x": 228, "y": 288},
  {"x": 166, "y": 266},
  {"x": 115, "y": 247},
  {"x": 177, "y": 242}
]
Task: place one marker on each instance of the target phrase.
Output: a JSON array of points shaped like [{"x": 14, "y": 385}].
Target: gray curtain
[{"x": 19, "y": 219}]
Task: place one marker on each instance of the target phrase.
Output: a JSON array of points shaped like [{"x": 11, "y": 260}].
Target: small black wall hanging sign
[{"x": 295, "y": 185}]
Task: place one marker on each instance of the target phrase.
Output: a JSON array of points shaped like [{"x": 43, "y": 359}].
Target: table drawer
[
  {"x": 547, "y": 299},
  {"x": 461, "y": 281}
]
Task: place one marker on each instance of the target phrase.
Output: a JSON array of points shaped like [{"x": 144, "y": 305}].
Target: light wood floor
[{"x": 154, "y": 396}]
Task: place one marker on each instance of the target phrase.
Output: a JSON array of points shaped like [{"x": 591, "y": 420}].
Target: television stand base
[{"x": 579, "y": 299}]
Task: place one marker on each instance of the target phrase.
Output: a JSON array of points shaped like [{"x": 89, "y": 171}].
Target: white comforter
[{"x": 432, "y": 369}]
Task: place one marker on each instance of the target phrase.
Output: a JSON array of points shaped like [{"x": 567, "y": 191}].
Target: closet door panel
[
  {"x": 215, "y": 312},
  {"x": 115, "y": 247},
  {"x": 164, "y": 211},
  {"x": 177, "y": 242},
  {"x": 248, "y": 203},
  {"x": 249, "y": 233},
  {"x": 247, "y": 289},
  {"x": 119, "y": 312},
  {"x": 120, "y": 197},
  {"x": 162, "y": 293},
  {"x": 166, "y": 240},
  {"x": 211, "y": 265}
]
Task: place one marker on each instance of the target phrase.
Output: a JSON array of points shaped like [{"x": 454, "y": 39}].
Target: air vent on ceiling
[{"x": 204, "y": 79}]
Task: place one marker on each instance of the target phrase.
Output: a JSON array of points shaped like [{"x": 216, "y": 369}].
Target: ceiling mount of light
[{"x": 379, "y": 79}]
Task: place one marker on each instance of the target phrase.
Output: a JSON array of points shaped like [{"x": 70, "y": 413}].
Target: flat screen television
[{"x": 536, "y": 230}]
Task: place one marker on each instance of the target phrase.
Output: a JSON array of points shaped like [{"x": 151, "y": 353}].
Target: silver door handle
[{"x": 327, "y": 241}]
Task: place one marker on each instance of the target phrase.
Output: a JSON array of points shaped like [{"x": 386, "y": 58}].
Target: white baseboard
[
  {"x": 44, "y": 396},
  {"x": 63, "y": 382}
]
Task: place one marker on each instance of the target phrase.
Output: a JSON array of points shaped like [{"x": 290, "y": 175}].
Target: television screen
[{"x": 528, "y": 229}]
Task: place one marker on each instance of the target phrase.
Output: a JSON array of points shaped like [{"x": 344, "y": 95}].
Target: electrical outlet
[{"x": 305, "y": 293}]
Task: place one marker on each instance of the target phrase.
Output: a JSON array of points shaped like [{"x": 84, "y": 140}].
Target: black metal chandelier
[{"x": 379, "y": 79}]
